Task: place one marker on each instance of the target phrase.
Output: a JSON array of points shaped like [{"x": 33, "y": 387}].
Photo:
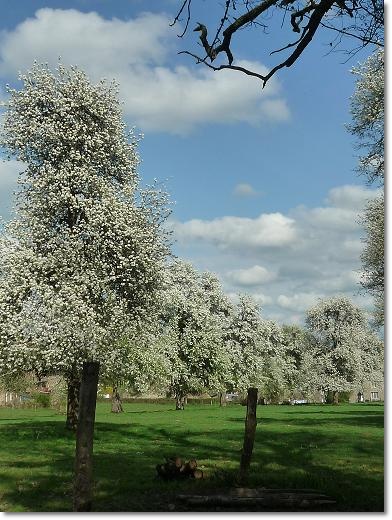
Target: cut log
[
  {"x": 223, "y": 500},
  {"x": 174, "y": 468},
  {"x": 244, "y": 497},
  {"x": 198, "y": 474}
]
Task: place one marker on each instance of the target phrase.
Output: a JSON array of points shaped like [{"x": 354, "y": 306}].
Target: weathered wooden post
[
  {"x": 73, "y": 393},
  {"x": 84, "y": 438},
  {"x": 250, "y": 431}
]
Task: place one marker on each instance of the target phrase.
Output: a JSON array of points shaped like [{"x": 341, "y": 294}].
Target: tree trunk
[
  {"x": 222, "y": 399},
  {"x": 180, "y": 401},
  {"x": 84, "y": 438},
  {"x": 335, "y": 397},
  {"x": 116, "y": 401},
  {"x": 250, "y": 431},
  {"x": 73, "y": 403}
]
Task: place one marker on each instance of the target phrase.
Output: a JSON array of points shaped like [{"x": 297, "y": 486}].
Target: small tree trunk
[
  {"x": 73, "y": 403},
  {"x": 180, "y": 401},
  {"x": 84, "y": 438},
  {"x": 116, "y": 401},
  {"x": 250, "y": 431},
  {"x": 335, "y": 397},
  {"x": 222, "y": 399}
]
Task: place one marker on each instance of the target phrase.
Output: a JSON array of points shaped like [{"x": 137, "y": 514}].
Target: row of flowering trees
[
  {"x": 205, "y": 343},
  {"x": 84, "y": 272}
]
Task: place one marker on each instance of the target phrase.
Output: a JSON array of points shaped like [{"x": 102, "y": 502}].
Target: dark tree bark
[
  {"x": 73, "y": 402},
  {"x": 222, "y": 399},
  {"x": 84, "y": 438},
  {"x": 116, "y": 401},
  {"x": 180, "y": 401},
  {"x": 249, "y": 436}
]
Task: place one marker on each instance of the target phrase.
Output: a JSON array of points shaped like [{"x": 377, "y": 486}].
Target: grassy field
[{"x": 335, "y": 449}]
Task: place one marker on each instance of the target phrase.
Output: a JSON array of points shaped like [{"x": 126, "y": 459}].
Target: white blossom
[
  {"x": 81, "y": 264},
  {"x": 194, "y": 313},
  {"x": 367, "y": 110},
  {"x": 346, "y": 350}
]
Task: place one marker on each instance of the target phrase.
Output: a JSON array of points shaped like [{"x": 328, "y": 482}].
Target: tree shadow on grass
[
  {"x": 37, "y": 473},
  {"x": 332, "y": 416}
]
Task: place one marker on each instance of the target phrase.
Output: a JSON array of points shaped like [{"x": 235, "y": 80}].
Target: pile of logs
[{"x": 175, "y": 468}]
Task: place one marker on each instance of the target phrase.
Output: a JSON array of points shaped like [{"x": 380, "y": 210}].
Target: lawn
[{"x": 338, "y": 450}]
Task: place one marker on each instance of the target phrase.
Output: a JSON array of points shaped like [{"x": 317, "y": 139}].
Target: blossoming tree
[
  {"x": 193, "y": 317},
  {"x": 83, "y": 259},
  {"x": 139, "y": 364},
  {"x": 367, "y": 110},
  {"x": 256, "y": 350},
  {"x": 346, "y": 350}
]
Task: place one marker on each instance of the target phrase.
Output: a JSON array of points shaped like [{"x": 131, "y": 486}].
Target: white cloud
[
  {"x": 260, "y": 298},
  {"x": 298, "y": 302},
  {"x": 309, "y": 253},
  {"x": 256, "y": 275},
  {"x": 342, "y": 210},
  {"x": 245, "y": 190},
  {"x": 349, "y": 197},
  {"x": 267, "y": 230},
  {"x": 341, "y": 282},
  {"x": 99, "y": 45},
  {"x": 139, "y": 53}
]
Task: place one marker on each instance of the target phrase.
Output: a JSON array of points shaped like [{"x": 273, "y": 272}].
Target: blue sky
[{"x": 264, "y": 184}]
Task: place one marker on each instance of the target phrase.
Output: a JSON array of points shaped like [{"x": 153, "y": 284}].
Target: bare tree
[{"x": 360, "y": 20}]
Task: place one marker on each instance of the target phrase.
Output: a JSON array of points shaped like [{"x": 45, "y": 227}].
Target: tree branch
[
  {"x": 222, "y": 67},
  {"x": 177, "y": 18},
  {"x": 366, "y": 26}
]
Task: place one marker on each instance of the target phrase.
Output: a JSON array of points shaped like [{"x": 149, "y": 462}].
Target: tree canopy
[
  {"x": 367, "y": 109},
  {"x": 83, "y": 259},
  {"x": 345, "y": 351}
]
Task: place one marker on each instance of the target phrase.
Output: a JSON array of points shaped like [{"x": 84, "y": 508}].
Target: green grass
[{"x": 335, "y": 449}]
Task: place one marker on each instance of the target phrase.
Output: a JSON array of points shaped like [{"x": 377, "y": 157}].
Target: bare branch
[
  {"x": 223, "y": 20},
  {"x": 289, "y": 45},
  {"x": 366, "y": 26},
  {"x": 300, "y": 14},
  {"x": 222, "y": 67},
  {"x": 343, "y": 31},
  {"x": 314, "y": 21},
  {"x": 177, "y": 18}
]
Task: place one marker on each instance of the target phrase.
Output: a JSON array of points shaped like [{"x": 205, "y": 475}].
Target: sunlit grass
[{"x": 336, "y": 449}]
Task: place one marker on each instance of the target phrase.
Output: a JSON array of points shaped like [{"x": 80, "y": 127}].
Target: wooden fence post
[
  {"x": 250, "y": 431},
  {"x": 84, "y": 438}
]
